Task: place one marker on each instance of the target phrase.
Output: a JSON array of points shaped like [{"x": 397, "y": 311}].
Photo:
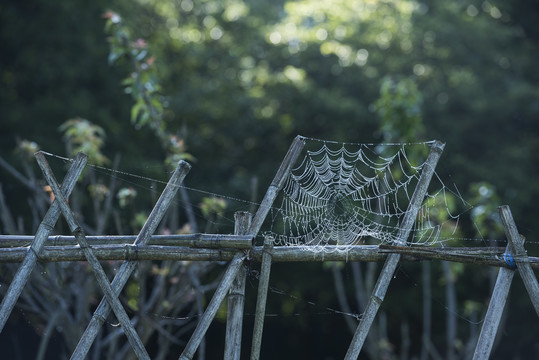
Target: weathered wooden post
[
  {"x": 211, "y": 310},
  {"x": 98, "y": 271},
  {"x": 265, "y": 206},
  {"x": 44, "y": 230},
  {"x": 236, "y": 297},
  {"x": 392, "y": 261},
  {"x": 262, "y": 298},
  {"x": 128, "y": 267}
]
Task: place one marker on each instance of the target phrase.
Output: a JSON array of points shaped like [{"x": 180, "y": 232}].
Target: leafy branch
[{"x": 143, "y": 86}]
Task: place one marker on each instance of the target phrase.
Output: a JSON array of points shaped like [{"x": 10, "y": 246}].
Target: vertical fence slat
[
  {"x": 98, "y": 271},
  {"x": 260, "y": 312},
  {"x": 213, "y": 306},
  {"x": 392, "y": 261},
  {"x": 521, "y": 258},
  {"x": 159, "y": 210},
  {"x": 43, "y": 232},
  {"x": 236, "y": 298},
  {"x": 234, "y": 319},
  {"x": 267, "y": 202}
]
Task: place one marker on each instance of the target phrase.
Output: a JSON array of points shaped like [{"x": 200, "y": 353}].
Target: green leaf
[
  {"x": 114, "y": 55},
  {"x": 135, "y": 111}
]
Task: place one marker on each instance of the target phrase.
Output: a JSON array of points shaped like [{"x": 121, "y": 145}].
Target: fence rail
[
  {"x": 207, "y": 247},
  {"x": 211, "y": 241}
]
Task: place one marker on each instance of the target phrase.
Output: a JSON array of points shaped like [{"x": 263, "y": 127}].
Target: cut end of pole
[
  {"x": 438, "y": 146},
  {"x": 182, "y": 164},
  {"x": 504, "y": 208}
]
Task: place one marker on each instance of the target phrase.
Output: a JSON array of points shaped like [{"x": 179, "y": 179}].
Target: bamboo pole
[
  {"x": 278, "y": 181},
  {"x": 213, "y": 306},
  {"x": 43, "y": 231},
  {"x": 274, "y": 188},
  {"x": 517, "y": 248},
  {"x": 364, "y": 253},
  {"x": 208, "y": 241},
  {"x": 128, "y": 267},
  {"x": 393, "y": 259},
  {"x": 234, "y": 319},
  {"x": 494, "y": 313},
  {"x": 101, "y": 276},
  {"x": 262, "y": 298},
  {"x": 492, "y": 256},
  {"x": 236, "y": 298},
  {"x": 289, "y": 160}
]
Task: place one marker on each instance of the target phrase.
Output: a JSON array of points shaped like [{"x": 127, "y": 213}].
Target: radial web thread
[{"x": 348, "y": 194}]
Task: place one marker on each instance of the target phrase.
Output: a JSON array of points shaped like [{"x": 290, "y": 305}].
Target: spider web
[{"x": 349, "y": 194}]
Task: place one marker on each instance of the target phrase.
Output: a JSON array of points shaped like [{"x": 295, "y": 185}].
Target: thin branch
[
  {"x": 45, "y": 338},
  {"x": 341, "y": 297},
  {"x": 5, "y": 214}
]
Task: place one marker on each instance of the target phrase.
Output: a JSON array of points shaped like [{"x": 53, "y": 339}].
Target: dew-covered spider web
[{"x": 349, "y": 194}]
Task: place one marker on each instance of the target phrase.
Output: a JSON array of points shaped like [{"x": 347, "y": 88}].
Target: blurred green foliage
[
  {"x": 399, "y": 108},
  {"x": 80, "y": 135}
]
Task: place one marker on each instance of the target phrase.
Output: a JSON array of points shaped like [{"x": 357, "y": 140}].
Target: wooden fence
[{"x": 236, "y": 249}]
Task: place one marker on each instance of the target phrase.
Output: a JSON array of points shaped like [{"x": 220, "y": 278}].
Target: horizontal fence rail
[
  {"x": 490, "y": 256},
  {"x": 210, "y": 241}
]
